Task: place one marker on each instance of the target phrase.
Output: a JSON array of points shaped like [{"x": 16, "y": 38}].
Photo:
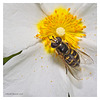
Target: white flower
[{"x": 34, "y": 72}]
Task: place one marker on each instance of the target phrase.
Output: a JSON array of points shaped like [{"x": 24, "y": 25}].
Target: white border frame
[{"x": 49, "y": 1}]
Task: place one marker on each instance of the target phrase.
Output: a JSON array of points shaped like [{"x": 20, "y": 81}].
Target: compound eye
[
  {"x": 58, "y": 39},
  {"x": 54, "y": 45}
]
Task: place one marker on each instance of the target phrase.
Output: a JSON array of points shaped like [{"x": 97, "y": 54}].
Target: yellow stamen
[
  {"x": 84, "y": 26},
  {"x": 80, "y": 19},
  {"x": 55, "y": 11},
  {"x": 68, "y": 9},
  {"x": 63, "y": 24}
]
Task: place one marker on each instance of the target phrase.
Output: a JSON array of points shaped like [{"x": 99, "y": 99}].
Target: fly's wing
[
  {"x": 79, "y": 72},
  {"x": 75, "y": 72},
  {"x": 84, "y": 58}
]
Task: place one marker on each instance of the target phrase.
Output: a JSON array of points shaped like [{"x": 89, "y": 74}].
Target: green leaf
[{"x": 8, "y": 58}]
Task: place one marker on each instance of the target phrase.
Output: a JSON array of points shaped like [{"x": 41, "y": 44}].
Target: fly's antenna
[{"x": 52, "y": 39}]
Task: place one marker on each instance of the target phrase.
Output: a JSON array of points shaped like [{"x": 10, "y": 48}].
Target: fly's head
[{"x": 55, "y": 41}]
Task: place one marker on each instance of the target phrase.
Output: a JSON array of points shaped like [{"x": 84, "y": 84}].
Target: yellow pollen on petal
[{"x": 61, "y": 23}]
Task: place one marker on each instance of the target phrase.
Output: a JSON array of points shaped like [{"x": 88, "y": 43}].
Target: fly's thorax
[{"x": 63, "y": 48}]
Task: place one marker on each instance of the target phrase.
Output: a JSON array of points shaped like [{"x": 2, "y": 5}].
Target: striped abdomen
[{"x": 72, "y": 58}]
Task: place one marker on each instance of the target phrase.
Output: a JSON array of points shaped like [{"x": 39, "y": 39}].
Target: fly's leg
[{"x": 57, "y": 51}]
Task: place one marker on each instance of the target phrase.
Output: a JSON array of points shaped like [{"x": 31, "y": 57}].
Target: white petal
[
  {"x": 49, "y": 7},
  {"x": 20, "y": 26},
  {"x": 29, "y": 75},
  {"x": 87, "y": 88},
  {"x": 88, "y": 13}
]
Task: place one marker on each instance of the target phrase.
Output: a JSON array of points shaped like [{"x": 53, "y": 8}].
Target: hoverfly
[{"x": 72, "y": 57}]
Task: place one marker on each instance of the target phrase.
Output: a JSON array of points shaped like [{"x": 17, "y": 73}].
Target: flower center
[
  {"x": 60, "y": 31},
  {"x": 61, "y": 23}
]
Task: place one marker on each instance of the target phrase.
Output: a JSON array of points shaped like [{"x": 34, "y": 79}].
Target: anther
[
  {"x": 75, "y": 17},
  {"x": 84, "y": 34},
  {"x": 62, "y": 13},
  {"x": 84, "y": 26},
  {"x": 68, "y": 9},
  {"x": 80, "y": 19},
  {"x": 55, "y": 11},
  {"x": 57, "y": 15}
]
